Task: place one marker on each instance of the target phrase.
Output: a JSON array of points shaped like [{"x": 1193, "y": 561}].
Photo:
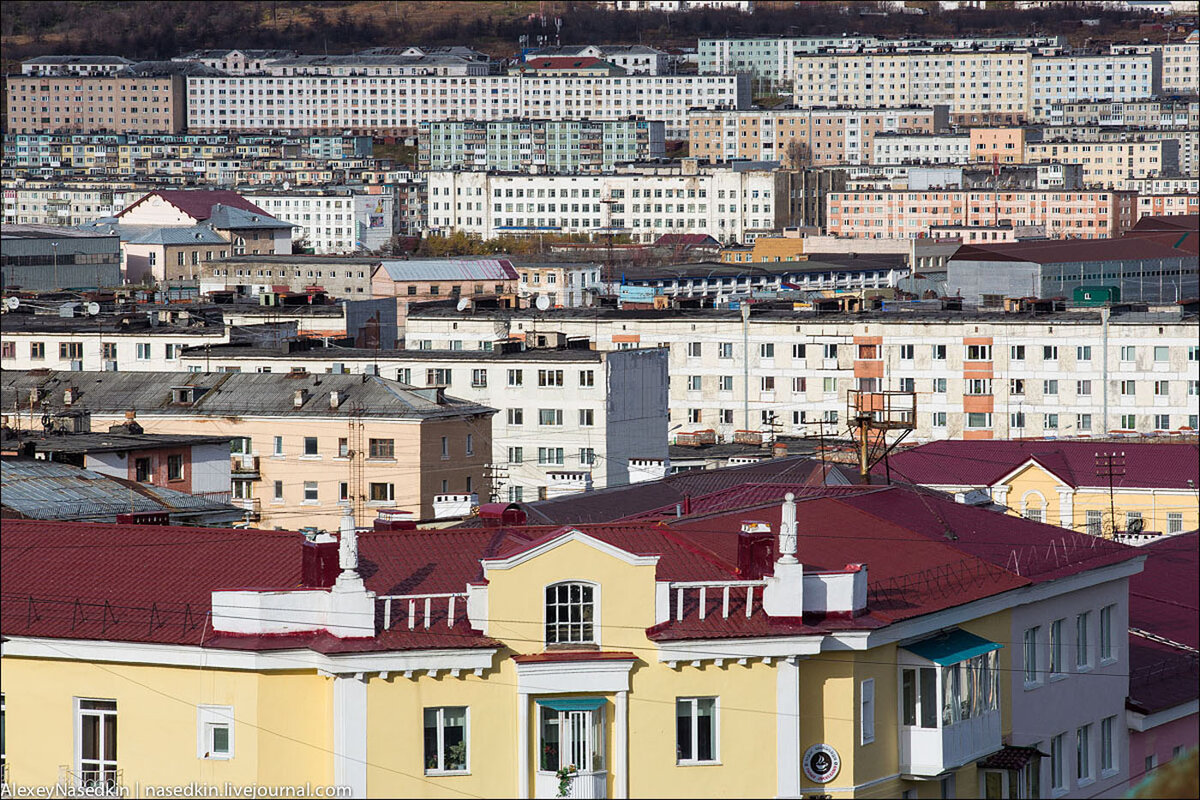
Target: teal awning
[
  {"x": 953, "y": 647},
  {"x": 571, "y": 703}
]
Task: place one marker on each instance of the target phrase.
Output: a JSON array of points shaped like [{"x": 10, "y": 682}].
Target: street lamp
[{"x": 54, "y": 250}]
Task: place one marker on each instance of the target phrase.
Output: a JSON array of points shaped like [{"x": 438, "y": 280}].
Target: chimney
[
  {"x": 298, "y": 398},
  {"x": 394, "y": 519},
  {"x": 69, "y": 396},
  {"x": 130, "y": 416},
  {"x": 319, "y": 564},
  {"x": 779, "y": 450},
  {"x": 335, "y": 399},
  {"x": 756, "y": 547},
  {"x": 783, "y": 595}
]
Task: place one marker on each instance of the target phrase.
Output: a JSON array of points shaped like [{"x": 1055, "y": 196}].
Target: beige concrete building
[
  {"x": 431, "y": 279},
  {"x": 800, "y": 137},
  {"x": 92, "y": 103},
  {"x": 899, "y": 214},
  {"x": 1110, "y": 164},
  {"x": 306, "y": 446}
]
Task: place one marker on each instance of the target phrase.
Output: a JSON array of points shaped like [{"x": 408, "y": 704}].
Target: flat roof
[{"x": 365, "y": 354}]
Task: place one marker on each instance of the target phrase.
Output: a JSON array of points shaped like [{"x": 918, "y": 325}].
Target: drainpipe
[{"x": 1104, "y": 314}]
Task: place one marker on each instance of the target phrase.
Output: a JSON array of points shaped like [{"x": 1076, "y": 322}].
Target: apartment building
[
  {"x": 146, "y": 97},
  {"x": 333, "y": 220},
  {"x": 799, "y": 137},
  {"x": 774, "y": 58},
  {"x": 583, "y": 146},
  {"x": 515, "y": 658},
  {"x": 568, "y": 420},
  {"x": 237, "y": 61},
  {"x": 978, "y": 87},
  {"x": 398, "y": 104},
  {"x": 1180, "y": 63},
  {"x": 1188, "y": 140},
  {"x": 1156, "y": 204},
  {"x": 38, "y": 258},
  {"x": 252, "y": 275},
  {"x": 1110, "y": 76},
  {"x": 898, "y": 148},
  {"x": 634, "y": 59},
  {"x": 563, "y": 284},
  {"x": 422, "y": 280},
  {"x": 1111, "y": 164},
  {"x": 312, "y": 446},
  {"x": 1130, "y": 114},
  {"x": 770, "y": 266},
  {"x": 976, "y": 375},
  {"x": 728, "y": 202},
  {"x": 888, "y": 214},
  {"x": 83, "y": 66}
]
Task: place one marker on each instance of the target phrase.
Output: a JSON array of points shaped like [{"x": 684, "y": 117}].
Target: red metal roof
[
  {"x": 1168, "y": 222},
  {"x": 1162, "y": 599},
  {"x": 198, "y": 203},
  {"x": 686, "y": 239},
  {"x": 1062, "y": 251},
  {"x": 1147, "y": 465}
]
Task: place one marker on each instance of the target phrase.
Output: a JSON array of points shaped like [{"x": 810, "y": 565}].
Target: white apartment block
[
  {"x": 633, "y": 58},
  {"x": 977, "y": 86},
  {"x": 564, "y": 284},
  {"x": 89, "y": 66},
  {"x": 333, "y": 221},
  {"x": 774, "y": 58},
  {"x": 726, "y": 203},
  {"x": 397, "y": 104},
  {"x": 1113, "y": 76},
  {"x": 100, "y": 344},
  {"x": 922, "y": 149},
  {"x": 1180, "y": 63},
  {"x": 976, "y": 375},
  {"x": 569, "y": 419},
  {"x": 1138, "y": 114}
]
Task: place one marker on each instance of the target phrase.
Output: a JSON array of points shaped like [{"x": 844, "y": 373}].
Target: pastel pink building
[{"x": 904, "y": 214}]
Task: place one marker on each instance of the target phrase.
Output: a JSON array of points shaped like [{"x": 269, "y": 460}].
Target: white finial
[
  {"x": 348, "y": 551},
  {"x": 787, "y": 530}
]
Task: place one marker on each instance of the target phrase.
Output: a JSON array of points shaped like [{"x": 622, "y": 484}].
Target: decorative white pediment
[
  {"x": 566, "y": 536},
  {"x": 1029, "y": 462}
]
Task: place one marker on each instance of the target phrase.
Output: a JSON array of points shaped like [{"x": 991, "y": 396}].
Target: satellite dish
[
  {"x": 464, "y": 304},
  {"x": 542, "y": 302},
  {"x": 93, "y": 309},
  {"x": 12, "y": 303}
]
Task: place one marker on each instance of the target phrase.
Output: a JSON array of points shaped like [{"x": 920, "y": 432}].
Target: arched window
[{"x": 570, "y": 613}]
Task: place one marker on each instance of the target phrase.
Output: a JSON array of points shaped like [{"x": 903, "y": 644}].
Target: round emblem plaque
[{"x": 821, "y": 763}]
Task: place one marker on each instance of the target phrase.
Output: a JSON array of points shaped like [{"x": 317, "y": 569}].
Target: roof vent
[
  {"x": 335, "y": 399},
  {"x": 299, "y": 397}
]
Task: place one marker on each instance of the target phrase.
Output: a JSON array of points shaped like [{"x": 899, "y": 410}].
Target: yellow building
[
  {"x": 1154, "y": 489},
  {"x": 731, "y": 652},
  {"x": 766, "y": 249}
]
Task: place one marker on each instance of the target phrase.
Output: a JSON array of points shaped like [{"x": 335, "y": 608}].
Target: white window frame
[
  {"x": 1107, "y": 649},
  {"x": 1083, "y": 648},
  {"x": 105, "y": 764},
  {"x": 1108, "y": 748},
  {"x": 716, "y": 731},
  {"x": 441, "y": 741},
  {"x": 595, "y": 587},
  {"x": 1056, "y": 761},
  {"x": 1032, "y": 676},
  {"x": 866, "y": 710},
  {"x": 208, "y": 718}
]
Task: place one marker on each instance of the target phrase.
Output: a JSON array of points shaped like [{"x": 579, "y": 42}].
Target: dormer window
[{"x": 570, "y": 613}]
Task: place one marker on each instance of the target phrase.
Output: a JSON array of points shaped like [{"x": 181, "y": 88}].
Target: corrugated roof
[
  {"x": 198, "y": 203},
  {"x": 451, "y": 270},
  {"x": 1147, "y": 465},
  {"x": 1068, "y": 251}
]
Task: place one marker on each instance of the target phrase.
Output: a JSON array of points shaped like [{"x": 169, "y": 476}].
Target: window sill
[
  {"x": 1082, "y": 668},
  {"x": 338, "y": 458},
  {"x": 1108, "y": 773},
  {"x": 310, "y": 458},
  {"x": 1058, "y": 676},
  {"x": 279, "y": 502},
  {"x": 1031, "y": 686},
  {"x": 216, "y": 758},
  {"x": 1058, "y": 792},
  {"x": 1107, "y": 662},
  {"x": 1084, "y": 782},
  {"x": 698, "y": 764},
  {"x": 378, "y": 460},
  {"x": 310, "y": 502},
  {"x": 278, "y": 456},
  {"x": 446, "y": 773}
]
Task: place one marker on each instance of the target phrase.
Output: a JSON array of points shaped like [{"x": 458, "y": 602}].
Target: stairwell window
[
  {"x": 571, "y": 616},
  {"x": 1030, "y": 647},
  {"x": 867, "y": 710},
  {"x": 1056, "y": 648}
]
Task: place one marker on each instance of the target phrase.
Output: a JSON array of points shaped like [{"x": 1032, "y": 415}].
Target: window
[
  {"x": 174, "y": 467},
  {"x": 1016, "y": 352},
  {"x": 550, "y": 416},
  {"x": 866, "y": 708},
  {"x": 979, "y": 352},
  {"x": 868, "y": 351},
  {"x": 1162, "y": 388},
  {"x": 1030, "y": 655},
  {"x": 1016, "y": 386},
  {"x": 310, "y": 446},
  {"x": 1083, "y": 352},
  {"x": 446, "y": 739},
  {"x": 939, "y": 385},
  {"x": 1083, "y": 753},
  {"x": 725, "y": 350},
  {"x": 587, "y": 377},
  {"x": 96, "y": 743},
  {"x": 977, "y": 419},
  {"x": 1133, "y": 519},
  {"x": 214, "y": 732},
  {"x": 696, "y": 730},
  {"x": 278, "y": 496},
  {"x": 438, "y": 377},
  {"x": 919, "y": 694},
  {"x": 766, "y": 350},
  {"x": 1095, "y": 522},
  {"x": 1128, "y": 421},
  {"x": 570, "y": 613},
  {"x": 550, "y": 377},
  {"x": 516, "y": 416},
  {"x": 1056, "y": 761},
  {"x": 550, "y": 455},
  {"x": 141, "y": 470},
  {"x": 1106, "y": 634},
  {"x": 694, "y": 349},
  {"x": 516, "y": 377},
  {"x": 799, "y": 352},
  {"x": 310, "y": 492},
  {"x": 767, "y": 383},
  {"x": 831, "y": 352},
  {"x": 978, "y": 386},
  {"x": 478, "y": 378},
  {"x": 1050, "y": 387},
  {"x": 1083, "y": 658},
  {"x": 1083, "y": 388},
  {"x": 939, "y": 352},
  {"x": 516, "y": 494},
  {"x": 907, "y": 352},
  {"x": 1162, "y": 353},
  {"x": 587, "y": 456},
  {"x": 143, "y": 351},
  {"x": 516, "y": 455},
  {"x": 278, "y": 451},
  {"x": 1050, "y": 421},
  {"x": 587, "y": 417},
  {"x": 1128, "y": 353},
  {"x": 829, "y": 385},
  {"x": 1056, "y": 654},
  {"x": 445, "y": 447},
  {"x": 1108, "y": 727},
  {"x": 1174, "y": 522},
  {"x": 1050, "y": 352},
  {"x": 381, "y": 448},
  {"x": 37, "y": 351},
  {"x": 939, "y": 419},
  {"x": 694, "y": 416},
  {"x": 693, "y": 383},
  {"x": 469, "y": 448},
  {"x": 382, "y": 492}
]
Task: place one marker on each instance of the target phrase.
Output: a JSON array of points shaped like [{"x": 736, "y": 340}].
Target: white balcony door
[{"x": 571, "y": 738}]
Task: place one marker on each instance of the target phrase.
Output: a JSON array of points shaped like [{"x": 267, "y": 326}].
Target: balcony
[
  {"x": 582, "y": 785},
  {"x": 249, "y": 504},
  {"x": 244, "y": 466}
]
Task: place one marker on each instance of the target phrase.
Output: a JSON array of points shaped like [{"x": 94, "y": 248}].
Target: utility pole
[
  {"x": 1111, "y": 465},
  {"x": 745, "y": 364}
]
